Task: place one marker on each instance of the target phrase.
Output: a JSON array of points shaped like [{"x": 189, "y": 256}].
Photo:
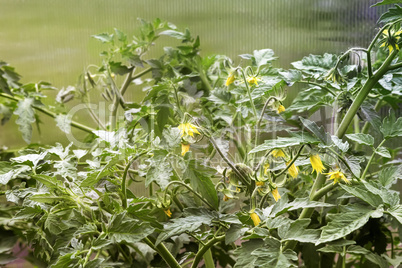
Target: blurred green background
[{"x": 50, "y": 40}]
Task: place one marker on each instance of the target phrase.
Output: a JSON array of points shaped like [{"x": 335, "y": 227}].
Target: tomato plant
[{"x": 207, "y": 164}]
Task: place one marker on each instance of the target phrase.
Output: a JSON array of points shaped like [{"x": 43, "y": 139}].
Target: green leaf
[
  {"x": 319, "y": 132},
  {"x": 118, "y": 68},
  {"x": 298, "y": 231},
  {"x": 371, "y": 116},
  {"x": 382, "y": 151},
  {"x": 291, "y": 76},
  {"x": 263, "y": 56},
  {"x": 347, "y": 222},
  {"x": 387, "y": 2},
  {"x": 160, "y": 171},
  {"x": 354, "y": 164},
  {"x": 7, "y": 242},
  {"x": 234, "y": 232},
  {"x": 5, "y": 178},
  {"x": 63, "y": 121},
  {"x": 361, "y": 138},
  {"x": 176, "y": 34},
  {"x": 396, "y": 212},
  {"x": 26, "y": 116},
  {"x": 310, "y": 100},
  {"x": 50, "y": 182},
  {"x": 192, "y": 221},
  {"x": 200, "y": 180},
  {"x": 104, "y": 37},
  {"x": 316, "y": 64},
  {"x": 389, "y": 175},
  {"x": 244, "y": 257},
  {"x": 65, "y": 261},
  {"x": 343, "y": 146},
  {"x": 283, "y": 142},
  {"x": 391, "y": 127},
  {"x": 362, "y": 193},
  {"x": 298, "y": 203},
  {"x": 392, "y": 15},
  {"x": 374, "y": 258},
  {"x": 273, "y": 256},
  {"x": 123, "y": 229}
]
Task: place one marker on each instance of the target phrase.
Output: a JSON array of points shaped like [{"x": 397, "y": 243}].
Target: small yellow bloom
[
  {"x": 277, "y": 153},
  {"x": 185, "y": 148},
  {"x": 293, "y": 170},
  {"x": 281, "y": 109},
  {"x": 275, "y": 194},
  {"x": 255, "y": 218},
  {"x": 391, "y": 39},
  {"x": 225, "y": 198},
  {"x": 231, "y": 78},
  {"x": 168, "y": 212},
  {"x": 316, "y": 163},
  {"x": 337, "y": 176},
  {"x": 188, "y": 129},
  {"x": 259, "y": 183},
  {"x": 253, "y": 80},
  {"x": 266, "y": 167}
]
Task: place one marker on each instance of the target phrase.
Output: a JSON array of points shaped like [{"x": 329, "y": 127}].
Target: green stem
[
  {"x": 249, "y": 93},
  {"x": 204, "y": 249},
  {"x": 190, "y": 189},
  {"x": 51, "y": 114},
  {"x": 124, "y": 180},
  {"x": 366, "y": 125},
  {"x": 290, "y": 164},
  {"x": 163, "y": 252},
  {"x": 371, "y": 160},
  {"x": 208, "y": 260}
]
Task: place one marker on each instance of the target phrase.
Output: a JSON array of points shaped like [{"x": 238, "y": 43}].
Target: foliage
[{"x": 231, "y": 172}]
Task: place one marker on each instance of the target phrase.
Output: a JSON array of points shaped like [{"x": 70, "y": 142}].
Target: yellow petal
[
  {"x": 275, "y": 194},
  {"x": 255, "y": 218},
  {"x": 293, "y": 170},
  {"x": 230, "y": 79},
  {"x": 316, "y": 163},
  {"x": 277, "y": 153},
  {"x": 281, "y": 109},
  {"x": 259, "y": 183},
  {"x": 185, "y": 148},
  {"x": 168, "y": 212}
]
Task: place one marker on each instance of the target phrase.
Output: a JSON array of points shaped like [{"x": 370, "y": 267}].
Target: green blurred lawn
[{"x": 50, "y": 40}]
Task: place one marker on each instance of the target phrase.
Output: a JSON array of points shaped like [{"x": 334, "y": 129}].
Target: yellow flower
[
  {"x": 253, "y": 80},
  {"x": 391, "y": 39},
  {"x": 316, "y": 163},
  {"x": 230, "y": 79},
  {"x": 266, "y": 167},
  {"x": 168, "y": 212},
  {"x": 277, "y": 153},
  {"x": 259, "y": 183},
  {"x": 184, "y": 148},
  {"x": 337, "y": 176},
  {"x": 281, "y": 109},
  {"x": 255, "y": 218},
  {"x": 226, "y": 198},
  {"x": 293, "y": 170},
  {"x": 275, "y": 194},
  {"x": 188, "y": 129}
]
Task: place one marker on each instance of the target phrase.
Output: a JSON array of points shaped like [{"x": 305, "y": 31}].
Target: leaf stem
[
  {"x": 51, "y": 114},
  {"x": 203, "y": 249},
  {"x": 190, "y": 189},
  {"x": 163, "y": 252},
  {"x": 318, "y": 85},
  {"x": 371, "y": 160}
]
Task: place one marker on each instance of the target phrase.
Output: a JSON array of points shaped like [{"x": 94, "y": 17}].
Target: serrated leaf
[
  {"x": 316, "y": 63},
  {"x": 104, "y": 37},
  {"x": 319, "y": 132},
  {"x": 361, "y": 138},
  {"x": 5, "y": 178},
  {"x": 396, "y": 212},
  {"x": 347, "y": 222},
  {"x": 273, "y": 256},
  {"x": 391, "y": 127},
  {"x": 391, "y": 15},
  {"x": 50, "y": 182},
  {"x": 63, "y": 121},
  {"x": 263, "y": 56},
  {"x": 362, "y": 193},
  {"x": 26, "y": 116},
  {"x": 387, "y": 2},
  {"x": 298, "y": 203},
  {"x": 354, "y": 164},
  {"x": 374, "y": 258},
  {"x": 175, "y": 34},
  {"x": 283, "y": 142},
  {"x": 291, "y": 76},
  {"x": 234, "y": 232},
  {"x": 191, "y": 222},
  {"x": 343, "y": 146},
  {"x": 244, "y": 257},
  {"x": 200, "y": 180},
  {"x": 371, "y": 116},
  {"x": 389, "y": 175},
  {"x": 160, "y": 171},
  {"x": 382, "y": 151},
  {"x": 123, "y": 229},
  {"x": 298, "y": 231}
]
